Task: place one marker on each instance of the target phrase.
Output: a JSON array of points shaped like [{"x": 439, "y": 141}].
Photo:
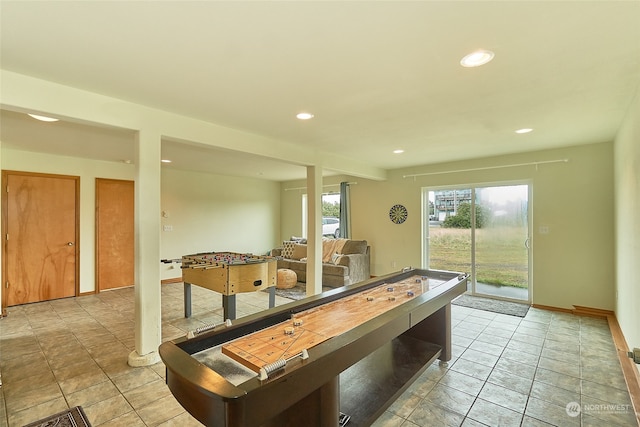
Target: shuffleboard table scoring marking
[{"x": 273, "y": 345}]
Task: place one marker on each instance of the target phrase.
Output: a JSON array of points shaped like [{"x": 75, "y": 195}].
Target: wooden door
[
  {"x": 115, "y": 256},
  {"x": 41, "y": 233}
]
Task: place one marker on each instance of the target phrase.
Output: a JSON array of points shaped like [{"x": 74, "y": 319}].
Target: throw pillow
[
  {"x": 330, "y": 247},
  {"x": 287, "y": 249},
  {"x": 299, "y": 251},
  {"x": 335, "y": 258}
]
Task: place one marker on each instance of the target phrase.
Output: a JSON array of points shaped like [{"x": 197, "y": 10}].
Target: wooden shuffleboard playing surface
[{"x": 311, "y": 327}]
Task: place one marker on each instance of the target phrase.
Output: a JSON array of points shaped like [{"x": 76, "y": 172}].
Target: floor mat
[
  {"x": 74, "y": 417},
  {"x": 299, "y": 291},
  {"x": 493, "y": 305}
]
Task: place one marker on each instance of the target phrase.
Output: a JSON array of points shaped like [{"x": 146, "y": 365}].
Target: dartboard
[{"x": 398, "y": 214}]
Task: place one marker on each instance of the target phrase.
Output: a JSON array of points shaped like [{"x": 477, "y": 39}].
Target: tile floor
[{"x": 505, "y": 371}]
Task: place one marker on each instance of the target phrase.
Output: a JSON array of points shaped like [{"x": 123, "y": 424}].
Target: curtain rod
[
  {"x": 488, "y": 167},
  {"x": 328, "y": 185}
]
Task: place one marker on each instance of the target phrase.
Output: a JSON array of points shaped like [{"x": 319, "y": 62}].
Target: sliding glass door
[
  {"x": 502, "y": 241},
  {"x": 447, "y": 248},
  {"x": 483, "y": 231}
]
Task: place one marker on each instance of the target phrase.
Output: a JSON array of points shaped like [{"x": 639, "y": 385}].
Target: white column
[
  {"x": 2, "y": 308},
  {"x": 314, "y": 230},
  {"x": 148, "y": 333}
]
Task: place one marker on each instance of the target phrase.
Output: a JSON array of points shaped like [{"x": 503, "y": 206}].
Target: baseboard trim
[
  {"x": 629, "y": 370},
  {"x": 592, "y": 312},
  {"x": 172, "y": 280},
  {"x": 84, "y": 294},
  {"x": 551, "y": 308},
  {"x": 578, "y": 310}
]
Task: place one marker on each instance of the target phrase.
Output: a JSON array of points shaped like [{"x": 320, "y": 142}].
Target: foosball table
[
  {"x": 228, "y": 273},
  {"x": 345, "y": 354}
]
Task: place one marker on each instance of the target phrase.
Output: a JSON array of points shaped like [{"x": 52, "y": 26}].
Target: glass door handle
[{"x": 527, "y": 243}]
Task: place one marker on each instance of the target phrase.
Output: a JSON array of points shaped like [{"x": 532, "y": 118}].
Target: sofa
[{"x": 344, "y": 261}]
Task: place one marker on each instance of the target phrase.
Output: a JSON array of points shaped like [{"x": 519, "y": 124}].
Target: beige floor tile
[
  {"x": 106, "y": 410},
  {"x": 160, "y": 411},
  {"x": 34, "y": 412},
  {"x": 147, "y": 393},
  {"x": 80, "y": 346},
  {"x": 182, "y": 420},
  {"x": 93, "y": 394},
  {"x": 130, "y": 419},
  {"x": 32, "y": 397},
  {"x": 494, "y": 415},
  {"x": 82, "y": 381},
  {"x": 74, "y": 369},
  {"x": 134, "y": 378}
]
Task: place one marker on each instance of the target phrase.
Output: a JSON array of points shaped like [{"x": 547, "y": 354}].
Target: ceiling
[{"x": 378, "y": 76}]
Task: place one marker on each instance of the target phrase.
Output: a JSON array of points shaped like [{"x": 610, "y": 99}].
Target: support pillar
[
  {"x": 314, "y": 230},
  {"x": 148, "y": 316}
]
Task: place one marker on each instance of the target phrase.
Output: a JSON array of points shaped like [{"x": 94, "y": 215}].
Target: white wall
[
  {"x": 212, "y": 212},
  {"x": 292, "y": 200},
  {"x": 206, "y": 211},
  {"x": 572, "y": 265},
  {"x": 627, "y": 203}
]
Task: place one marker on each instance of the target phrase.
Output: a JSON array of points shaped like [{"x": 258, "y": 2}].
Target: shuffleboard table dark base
[{"x": 359, "y": 372}]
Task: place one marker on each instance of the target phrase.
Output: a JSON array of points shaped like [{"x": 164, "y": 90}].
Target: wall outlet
[
  {"x": 167, "y": 228},
  {"x": 393, "y": 264},
  {"x": 543, "y": 229}
]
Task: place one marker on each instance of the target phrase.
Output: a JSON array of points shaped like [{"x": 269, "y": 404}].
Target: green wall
[
  {"x": 571, "y": 265},
  {"x": 627, "y": 201}
]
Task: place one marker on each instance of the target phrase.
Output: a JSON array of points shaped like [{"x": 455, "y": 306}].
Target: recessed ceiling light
[
  {"x": 43, "y": 118},
  {"x": 165, "y": 161},
  {"x": 477, "y": 58},
  {"x": 399, "y": 151},
  {"x": 524, "y": 130},
  {"x": 304, "y": 116}
]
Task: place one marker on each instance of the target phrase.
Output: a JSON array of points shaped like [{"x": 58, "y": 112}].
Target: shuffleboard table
[
  {"x": 228, "y": 273},
  {"x": 348, "y": 351}
]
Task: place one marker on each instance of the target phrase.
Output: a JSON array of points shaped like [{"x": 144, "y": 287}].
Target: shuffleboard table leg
[
  {"x": 272, "y": 296},
  {"x": 229, "y": 307},
  {"x": 330, "y": 403},
  {"x": 436, "y": 329},
  {"x": 187, "y": 299}
]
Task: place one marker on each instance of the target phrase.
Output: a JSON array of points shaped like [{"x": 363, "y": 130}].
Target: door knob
[{"x": 69, "y": 243}]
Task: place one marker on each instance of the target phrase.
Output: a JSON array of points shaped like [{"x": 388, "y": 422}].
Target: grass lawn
[{"x": 501, "y": 258}]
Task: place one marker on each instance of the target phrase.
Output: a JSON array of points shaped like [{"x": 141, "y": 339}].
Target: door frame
[
  {"x": 5, "y": 179},
  {"x": 473, "y": 187}
]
